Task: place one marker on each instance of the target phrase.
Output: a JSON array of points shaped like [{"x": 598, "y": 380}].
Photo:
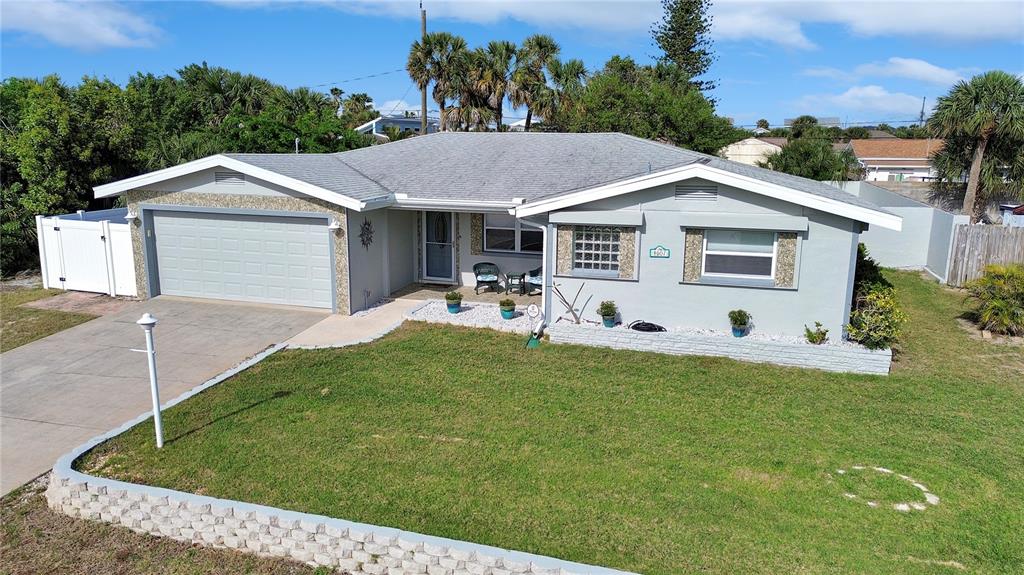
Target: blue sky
[{"x": 860, "y": 61}]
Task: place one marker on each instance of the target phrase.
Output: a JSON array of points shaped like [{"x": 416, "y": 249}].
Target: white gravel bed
[
  {"x": 474, "y": 314},
  {"x": 754, "y": 335}
]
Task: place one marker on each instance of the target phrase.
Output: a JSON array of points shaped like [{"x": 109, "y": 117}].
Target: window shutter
[
  {"x": 228, "y": 178},
  {"x": 697, "y": 192}
]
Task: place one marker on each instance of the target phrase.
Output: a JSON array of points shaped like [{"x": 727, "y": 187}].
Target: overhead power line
[{"x": 359, "y": 78}]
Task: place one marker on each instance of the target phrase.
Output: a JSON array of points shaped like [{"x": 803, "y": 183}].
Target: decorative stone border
[
  {"x": 838, "y": 358},
  {"x": 358, "y": 548}
]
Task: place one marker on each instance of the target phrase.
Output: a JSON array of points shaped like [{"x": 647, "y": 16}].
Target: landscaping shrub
[
  {"x": 999, "y": 299},
  {"x": 867, "y": 274},
  {"x": 876, "y": 320},
  {"x": 817, "y": 336}
]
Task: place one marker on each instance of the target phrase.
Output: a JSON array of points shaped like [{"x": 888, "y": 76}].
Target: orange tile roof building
[{"x": 895, "y": 159}]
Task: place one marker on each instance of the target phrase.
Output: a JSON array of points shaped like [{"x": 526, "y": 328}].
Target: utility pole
[
  {"x": 423, "y": 92},
  {"x": 921, "y": 120}
]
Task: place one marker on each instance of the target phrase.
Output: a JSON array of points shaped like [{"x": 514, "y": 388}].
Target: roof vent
[
  {"x": 228, "y": 178},
  {"x": 704, "y": 161},
  {"x": 697, "y": 192}
]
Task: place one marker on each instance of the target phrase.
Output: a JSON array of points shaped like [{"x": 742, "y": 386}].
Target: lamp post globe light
[{"x": 147, "y": 322}]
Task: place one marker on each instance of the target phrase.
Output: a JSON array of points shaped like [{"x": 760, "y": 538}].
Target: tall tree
[
  {"x": 565, "y": 86},
  {"x": 684, "y": 35},
  {"x": 441, "y": 59},
  {"x": 814, "y": 158},
  {"x": 529, "y": 81},
  {"x": 974, "y": 113},
  {"x": 494, "y": 76},
  {"x": 762, "y": 124}
]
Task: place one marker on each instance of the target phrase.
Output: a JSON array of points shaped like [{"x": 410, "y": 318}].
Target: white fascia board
[
  {"x": 403, "y": 201},
  {"x": 828, "y": 205},
  {"x": 141, "y": 181}
]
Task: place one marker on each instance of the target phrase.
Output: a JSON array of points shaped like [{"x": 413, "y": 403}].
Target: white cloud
[
  {"x": 865, "y": 99},
  {"x": 83, "y": 25},
  {"x": 777, "y": 22},
  {"x": 895, "y": 67},
  {"x": 395, "y": 107}
]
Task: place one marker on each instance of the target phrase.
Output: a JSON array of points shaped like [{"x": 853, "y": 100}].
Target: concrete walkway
[
  {"x": 58, "y": 392},
  {"x": 343, "y": 330}
]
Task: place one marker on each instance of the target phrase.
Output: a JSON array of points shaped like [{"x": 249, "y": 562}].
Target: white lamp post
[{"x": 147, "y": 322}]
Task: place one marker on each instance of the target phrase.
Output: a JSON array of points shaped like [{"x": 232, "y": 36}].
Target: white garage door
[{"x": 268, "y": 259}]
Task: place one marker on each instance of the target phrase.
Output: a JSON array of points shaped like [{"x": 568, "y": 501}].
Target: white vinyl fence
[{"x": 87, "y": 251}]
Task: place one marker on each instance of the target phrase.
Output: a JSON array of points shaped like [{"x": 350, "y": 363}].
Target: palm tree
[
  {"x": 493, "y": 74},
  {"x": 528, "y": 79},
  {"x": 439, "y": 58},
  {"x": 987, "y": 106},
  {"x": 566, "y": 86}
]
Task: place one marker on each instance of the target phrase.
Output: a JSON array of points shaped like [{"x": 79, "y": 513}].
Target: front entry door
[{"x": 438, "y": 246}]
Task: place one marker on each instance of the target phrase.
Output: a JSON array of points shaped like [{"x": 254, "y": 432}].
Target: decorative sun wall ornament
[{"x": 366, "y": 233}]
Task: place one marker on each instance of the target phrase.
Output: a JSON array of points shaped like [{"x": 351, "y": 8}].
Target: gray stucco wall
[
  {"x": 271, "y": 202},
  {"x": 401, "y": 248},
  {"x": 507, "y": 263},
  {"x": 823, "y": 269},
  {"x": 367, "y": 262},
  {"x": 941, "y": 239}
]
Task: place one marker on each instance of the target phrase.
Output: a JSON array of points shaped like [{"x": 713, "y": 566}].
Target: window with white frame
[
  {"x": 739, "y": 254},
  {"x": 504, "y": 233},
  {"x": 596, "y": 250}
]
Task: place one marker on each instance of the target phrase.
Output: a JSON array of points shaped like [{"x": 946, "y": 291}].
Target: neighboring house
[
  {"x": 402, "y": 123},
  {"x": 896, "y": 159},
  {"x": 880, "y": 135},
  {"x": 1013, "y": 215},
  {"x": 672, "y": 236},
  {"x": 750, "y": 151}
]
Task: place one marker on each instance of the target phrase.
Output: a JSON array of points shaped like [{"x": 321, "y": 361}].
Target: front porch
[{"x": 423, "y": 291}]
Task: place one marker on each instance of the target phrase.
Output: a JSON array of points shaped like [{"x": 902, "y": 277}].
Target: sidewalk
[{"x": 342, "y": 330}]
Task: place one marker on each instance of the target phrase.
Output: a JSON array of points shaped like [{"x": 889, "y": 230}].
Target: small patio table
[{"x": 515, "y": 283}]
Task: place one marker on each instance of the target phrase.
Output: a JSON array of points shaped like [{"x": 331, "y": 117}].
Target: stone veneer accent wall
[
  {"x": 693, "y": 255},
  {"x": 847, "y": 358},
  {"x": 476, "y": 234},
  {"x": 785, "y": 260},
  {"x": 563, "y": 250},
  {"x": 277, "y": 203},
  {"x": 627, "y": 253},
  {"x": 356, "y": 548}
]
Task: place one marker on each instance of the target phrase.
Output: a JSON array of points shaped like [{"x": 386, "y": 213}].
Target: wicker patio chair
[{"x": 487, "y": 275}]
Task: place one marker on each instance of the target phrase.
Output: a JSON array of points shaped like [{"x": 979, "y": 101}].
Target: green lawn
[
  {"x": 644, "y": 462},
  {"x": 21, "y": 325}
]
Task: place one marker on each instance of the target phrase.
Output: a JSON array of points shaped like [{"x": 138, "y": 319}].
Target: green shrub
[
  {"x": 453, "y": 297},
  {"x": 507, "y": 304},
  {"x": 817, "y": 336},
  {"x": 867, "y": 274},
  {"x": 607, "y": 309},
  {"x": 739, "y": 318},
  {"x": 999, "y": 299},
  {"x": 876, "y": 320}
]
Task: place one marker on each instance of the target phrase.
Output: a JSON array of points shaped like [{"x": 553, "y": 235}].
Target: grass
[
  {"x": 643, "y": 462},
  {"x": 34, "y": 540},
  {"x": 21, "y": 325}
]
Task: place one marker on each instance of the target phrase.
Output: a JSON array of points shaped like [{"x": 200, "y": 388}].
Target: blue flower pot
[
  {"x": 508, "y": 313},
  {"x": 454, "y": 307},
  {"x": 739, "y": 331},
  {"x": 608, "y": 321}
]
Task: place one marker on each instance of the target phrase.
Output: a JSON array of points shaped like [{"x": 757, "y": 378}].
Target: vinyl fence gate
[{"x": 87, "y": 251}]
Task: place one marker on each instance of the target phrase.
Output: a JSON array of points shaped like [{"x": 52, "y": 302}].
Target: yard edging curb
[
  {"x": 316, "y": 540},
  {"x": 370, "y": 338}
]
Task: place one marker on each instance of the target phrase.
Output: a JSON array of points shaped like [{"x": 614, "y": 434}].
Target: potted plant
[
  {"x": 740, "y": 321},
  {"x": 508, "y": 308},
  {"x": 607, "y": 311},
  {"x": 454, "y": 301}
]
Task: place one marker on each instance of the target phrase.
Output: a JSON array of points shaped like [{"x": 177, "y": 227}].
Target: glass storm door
[{"x": 438, "y": 246}]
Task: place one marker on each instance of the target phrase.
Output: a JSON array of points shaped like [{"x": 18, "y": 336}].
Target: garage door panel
[{"x": 251, "y": 258}]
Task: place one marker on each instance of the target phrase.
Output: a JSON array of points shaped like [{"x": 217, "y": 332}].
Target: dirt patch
[
  {"x": 972, "y": 330},
  {"x": 769, "y": 481},
  {"x": 35, "y": 539},
  {"x": 81, "y": 302},
  {"x": 21, "y": 281}
]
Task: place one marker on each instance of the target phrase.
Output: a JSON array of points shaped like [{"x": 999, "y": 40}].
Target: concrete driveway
[{"x": 58, "y": 392}]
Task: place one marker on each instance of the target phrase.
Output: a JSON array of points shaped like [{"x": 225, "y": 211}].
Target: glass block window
[{"x": 596, "y": 250}]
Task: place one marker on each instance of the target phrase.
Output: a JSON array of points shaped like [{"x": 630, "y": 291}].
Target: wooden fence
[{"x": 975, "y": 247}]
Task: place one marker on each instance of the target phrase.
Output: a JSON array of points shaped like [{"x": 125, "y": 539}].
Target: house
[
  {"x": 673, "y": 236},
  {"x": 1013, "y": 215},
  {"x": 896, "y": 159},
  {"x": 750, "y": 151},
  {"x": 402, "y": 123}
]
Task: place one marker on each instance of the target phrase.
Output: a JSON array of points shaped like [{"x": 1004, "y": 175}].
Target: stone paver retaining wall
[
  {"x": 840, "y": 358},
  {"x": 356, "y": 548}
]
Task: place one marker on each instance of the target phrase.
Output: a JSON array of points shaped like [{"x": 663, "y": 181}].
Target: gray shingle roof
[
  {"x": 323, "y": 170},
  {"x": 492, "y": 166}
]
